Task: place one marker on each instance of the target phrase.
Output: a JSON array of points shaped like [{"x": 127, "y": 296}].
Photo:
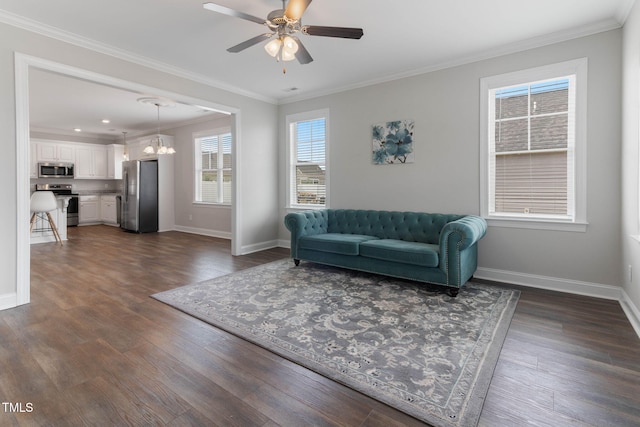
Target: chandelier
[{"x": 156, "y": 144}]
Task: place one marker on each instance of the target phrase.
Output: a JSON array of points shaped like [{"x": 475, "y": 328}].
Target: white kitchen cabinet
[
  {"x": 89, "y": 209},
  {"x": 108, "y": 209},
  {"x": 55, "y": 152},
  {"x": 115, "y": 155},
  {"x": 91, "y": 162}
]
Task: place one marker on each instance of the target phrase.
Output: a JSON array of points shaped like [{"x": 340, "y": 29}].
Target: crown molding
[
  {"x": 511, "y": 48},
  {"x": 544, "y": 40},
  {"x": 90, "y": 44}
]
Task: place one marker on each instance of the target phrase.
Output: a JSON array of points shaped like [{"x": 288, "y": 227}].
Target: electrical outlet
[{"x": 190, "y": 217}]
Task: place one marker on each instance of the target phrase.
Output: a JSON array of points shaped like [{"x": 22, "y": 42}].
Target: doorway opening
[{"x": 23, "y": 65}]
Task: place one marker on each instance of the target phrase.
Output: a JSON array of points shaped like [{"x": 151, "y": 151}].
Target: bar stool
[{"x": 43, "y": 202}]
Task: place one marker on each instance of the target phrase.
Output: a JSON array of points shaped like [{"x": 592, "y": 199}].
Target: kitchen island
[{"x": 42, "y": 233}]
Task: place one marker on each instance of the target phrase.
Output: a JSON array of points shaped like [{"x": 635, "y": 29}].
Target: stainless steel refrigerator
[{"x": 139, "y": 211}]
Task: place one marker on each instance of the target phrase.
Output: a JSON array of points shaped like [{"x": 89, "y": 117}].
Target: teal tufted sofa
[{"x": 433, "y": 248}]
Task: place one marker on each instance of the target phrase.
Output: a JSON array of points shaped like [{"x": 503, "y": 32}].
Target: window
[
  {"x": 213, "y": 168},
  {"x": 307, "y": 176},
  {"x": 533, "y": 146}
]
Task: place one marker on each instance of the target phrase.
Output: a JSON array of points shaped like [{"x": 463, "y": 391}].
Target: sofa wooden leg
[
  {"x": 453, "y": 292},
  {"x": 296, "y": 262}
]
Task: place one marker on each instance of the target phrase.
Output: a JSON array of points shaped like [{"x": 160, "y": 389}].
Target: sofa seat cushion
[
  {"x": 416, "y": 253},
  {"x": 345, "y": 244}
]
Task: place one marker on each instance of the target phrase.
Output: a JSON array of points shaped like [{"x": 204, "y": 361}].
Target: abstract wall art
[{"x": 393, "y": 142}]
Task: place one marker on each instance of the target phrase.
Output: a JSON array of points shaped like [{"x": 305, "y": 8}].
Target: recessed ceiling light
[
  {"x": 105, "y": 121},
  {"x": 77, "y": 129}
]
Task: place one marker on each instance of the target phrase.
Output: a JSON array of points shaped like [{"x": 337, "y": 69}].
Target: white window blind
[
  {"x": 308, "y": 165},
  {"x": 213, "y": 169},
  {"x": 531, "y": 149}
]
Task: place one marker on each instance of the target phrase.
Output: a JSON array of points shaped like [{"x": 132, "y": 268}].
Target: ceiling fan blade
[
  {"x": 342, "y": 32},
  {"x": 242, "y": 46},
  {"x": 302, "y": 55},
  {"x": 296, "y": 8},
  {"x": 231, "y": 12}
]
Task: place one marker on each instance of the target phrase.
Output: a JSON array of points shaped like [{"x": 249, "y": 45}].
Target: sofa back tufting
[
  {"x": 427, "y": 247},
  {"x": 407, "y": 226}
]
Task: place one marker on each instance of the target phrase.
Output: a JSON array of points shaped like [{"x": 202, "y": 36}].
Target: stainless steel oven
[
  {"x": 55, "y": 170},
  {"x": 66, "y": 190}
]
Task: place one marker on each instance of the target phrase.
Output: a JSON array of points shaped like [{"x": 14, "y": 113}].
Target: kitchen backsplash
[{"x": 83, "y": 186}]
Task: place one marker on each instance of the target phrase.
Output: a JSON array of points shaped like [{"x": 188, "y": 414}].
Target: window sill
[
  {"x": 305, "y": 207},
  {"x": 212, "y": 205},
  {"x": 537, "y": 224}
]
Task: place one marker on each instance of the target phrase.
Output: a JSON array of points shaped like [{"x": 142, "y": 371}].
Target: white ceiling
[
  {"x": 180, "y": 36},
  {"x": 59, "y": 104}
]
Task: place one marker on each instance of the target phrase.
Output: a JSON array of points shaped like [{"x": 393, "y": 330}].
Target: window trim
[
  {"x": 579, "y": 223},
  {"x": 300, "y": 117},
  {"x": 198, "y": 167}
]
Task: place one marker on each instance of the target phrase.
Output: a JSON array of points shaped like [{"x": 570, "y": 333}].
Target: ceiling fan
[{"x": 284, "y": 25}]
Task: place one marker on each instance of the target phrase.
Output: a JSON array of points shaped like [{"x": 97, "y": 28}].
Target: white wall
[
  {"x": 213, "y": 220},
  {"x": 445, "y": 175},
  {"x": 256, "y": 122},
  {"x": 631, "y": 158}
]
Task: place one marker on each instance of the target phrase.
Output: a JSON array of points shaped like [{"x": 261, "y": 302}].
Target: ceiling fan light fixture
[
  {"x": 273, "y": 47},
  {"x": 289, "y": 48},
  {"x": 289, "y": 44},
  {"x": 287, "y": 55},
  {"x": 284, "y": 24}
]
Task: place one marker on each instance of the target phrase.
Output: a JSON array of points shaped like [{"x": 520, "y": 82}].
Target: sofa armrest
[
  {"x": 305, "y": 223},
  {"x": 464, "y": 232},
  {"x": 458, "y": 249}
]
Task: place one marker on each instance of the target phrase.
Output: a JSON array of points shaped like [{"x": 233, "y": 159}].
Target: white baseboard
[
  {"x": 8, "y": 301},
  {"x": 256, "y": 247},
  {"x": 551, "y": 283},
  {"x": 632, "y": 312},
  {"x": 284, "y": 243},
  {"x": 244, "y": 250},
  {"x": 204, "y": 232},
  {"x": 596, "y": 290}
]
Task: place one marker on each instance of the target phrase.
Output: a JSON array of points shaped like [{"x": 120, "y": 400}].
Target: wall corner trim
[
  {"x": 256, "y": 247},
  {"x": 632, "y": 312}
]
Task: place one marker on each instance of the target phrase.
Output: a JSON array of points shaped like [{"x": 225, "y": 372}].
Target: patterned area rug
[{"x": 408, "y": 345}]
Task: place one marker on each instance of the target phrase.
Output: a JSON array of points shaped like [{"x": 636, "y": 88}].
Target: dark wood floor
[{"x": 93, "y": 349}]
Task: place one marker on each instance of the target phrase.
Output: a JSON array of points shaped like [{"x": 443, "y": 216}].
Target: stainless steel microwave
[{"x": 55, "y": 170}]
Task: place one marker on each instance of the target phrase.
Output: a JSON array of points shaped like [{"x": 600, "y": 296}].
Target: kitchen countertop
[{"x": 98, "y": 193}]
